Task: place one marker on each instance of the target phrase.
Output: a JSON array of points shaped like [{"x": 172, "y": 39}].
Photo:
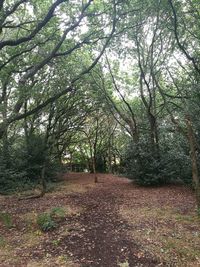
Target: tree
[{"x": 48, "y": 43}]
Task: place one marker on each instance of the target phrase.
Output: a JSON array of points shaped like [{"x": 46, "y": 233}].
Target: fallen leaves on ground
[{"x": 109, "y": 224}]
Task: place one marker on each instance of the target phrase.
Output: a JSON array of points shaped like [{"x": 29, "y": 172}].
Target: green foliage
[
  {"x": 146, "y": 168},
  {"x": 31, "y": 156},
  {"x": 56, "y": 242},
  {"x": 57, "y": 213},
  {"x": 6, "y": 219},
  {"x": 23, "y": 169},
  {"x": 59, "y": 94},
  {"x": 143, "y": 166},
  {"x": 123, "y": 264},
  {"x": 2, "y": 241},
  {"x": 48, "y": 220},
  {"x": 100, "y": 163},
  {"x": 175, "y": 157},
  {"x": 13, "y": 177},
  {"x": 45, "y": 222}
]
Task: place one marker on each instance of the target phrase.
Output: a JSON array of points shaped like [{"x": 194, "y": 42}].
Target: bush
[
  {"x": 48, "y": 220},
  {"x": 142, "y": 166},
  {"x": 145, "y": 168},
  {"x": 45, "y": 222},
  {"x": 12, "y": 180},
  {"x": 22, "y": 169},
  {"x": 57, "y": 213}
]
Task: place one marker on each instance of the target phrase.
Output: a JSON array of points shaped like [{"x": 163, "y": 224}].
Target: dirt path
[
  {"x": 109, "y": 224},
  {"x": 103, "y": 239}
]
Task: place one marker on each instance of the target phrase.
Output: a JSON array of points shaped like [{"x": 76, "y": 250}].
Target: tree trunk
[
  {"x": 94, "y": 169},
  {"x": 5, "y": 142},
  {"x": 71, "y": 163},
  {"x": 43, "y": 181},
  {"x": 5, "y": 148},
  {"x": 193, "y": 154},
  {"x": 109, "y": 159},
  {"x": 154, "y": 135}
]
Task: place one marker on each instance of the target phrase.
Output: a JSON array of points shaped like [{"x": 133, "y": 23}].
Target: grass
[
  {"x": 6, "y": 219},
  {"x": 57, "y": 212},
  {"x": 182, "y": 248},
  {"x": 160, "y": 230},
  {"x": 61, "y": 261},
  {"x": 165, "y": 233},
  {"x": 70, "y": 188},
  {"x": 123, "y": 264},
  {"x": 45, "y": 222},
  {"x": 2, "y": 242},
  {"x": 33, "y": 237},
  {"x": 30, "y": 237}
]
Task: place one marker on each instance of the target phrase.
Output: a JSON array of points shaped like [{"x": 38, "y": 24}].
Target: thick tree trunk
[{"x": 194, "y": 159}]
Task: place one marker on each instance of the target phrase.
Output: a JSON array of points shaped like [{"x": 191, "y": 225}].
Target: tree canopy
[{"x": 100, "y": 86}]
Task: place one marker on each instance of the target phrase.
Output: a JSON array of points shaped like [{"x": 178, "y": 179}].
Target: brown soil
[{"x": 110, "y": 224}]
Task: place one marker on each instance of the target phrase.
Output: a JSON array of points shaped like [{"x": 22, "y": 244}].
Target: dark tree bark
[{"x": 194, "y": 159}]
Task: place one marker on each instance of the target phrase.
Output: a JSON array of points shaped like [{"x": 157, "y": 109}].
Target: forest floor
[{"x": 113, "y": 223}]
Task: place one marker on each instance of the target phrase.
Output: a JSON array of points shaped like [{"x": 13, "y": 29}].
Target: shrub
[
  {"x": 45, "y": 222},
  {"x": 6, "y": 219},
  {"x": 22, "y": 169},
  {"x": 48, "y": 220},
  {"x": 142, "y": 166},
  {"x": 57, "y": 213},
  {"x": 12, "y": 177},
  {"x": 146, "y": 168}
]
